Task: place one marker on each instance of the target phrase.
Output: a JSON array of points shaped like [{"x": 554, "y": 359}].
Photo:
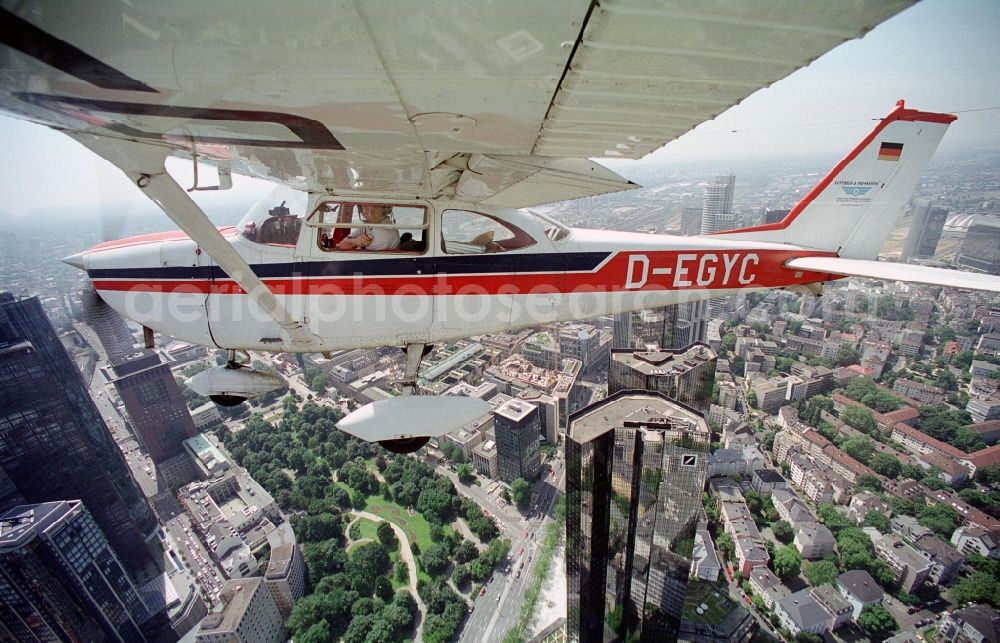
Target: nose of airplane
[{"x": 75, "y": 260}]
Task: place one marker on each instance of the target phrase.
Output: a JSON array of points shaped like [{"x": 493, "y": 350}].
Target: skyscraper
[
  {"x": 107, "y": 324},
  {"x": 690, "y": 221},
  {"x": 53, "y": 442},
  {"x": 635, "y": 471},
  {"x": 981, "y": 246},
  {"x": 61, "y": 581},
  {"x": 158, "y": 413},
  {"x": 772, "y": 215},
  {"x": 925, "y": 230},
  {"x": 685, "y": 375},
  {"x": 667, "y": 327},
  {"x": 516, "y": 426},
  {"x": 717, "y": 209}
]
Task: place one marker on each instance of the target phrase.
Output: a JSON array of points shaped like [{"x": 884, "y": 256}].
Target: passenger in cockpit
[{"x": 370, "y": 238}]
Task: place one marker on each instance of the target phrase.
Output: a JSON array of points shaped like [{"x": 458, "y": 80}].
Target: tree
[
  {"x": 725, "y": 544},
  {"x": 752, "y": 399},
  {"x": 386, "y": 535},
  {"x": 861, "y": 419},
  {"x": 435, "y": 559},
  {"x": 869, "y": 482},
  {"x": 465, "y": 474},
  {"x": 521, "y": 492},
  {"x": 859, "y": 447},
  {"x": 886, "y": 465},
  {"x": 877, "y": 622},
  {"x": 787, "y": 562},
  {"x": 878, "y": 520},
  {"x": 821, "y": 573},
  {"x": 783, "y": 531},
  {"x": 847, "y": 355},
  {"x": 941, "y": 518},
  {"x": 979, "y": 587}
]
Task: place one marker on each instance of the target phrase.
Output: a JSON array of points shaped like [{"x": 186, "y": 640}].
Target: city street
[{"x": 499, "y": 608}]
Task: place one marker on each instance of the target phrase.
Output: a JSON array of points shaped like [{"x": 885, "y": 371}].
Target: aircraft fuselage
[{"x": 376, "y": 298}]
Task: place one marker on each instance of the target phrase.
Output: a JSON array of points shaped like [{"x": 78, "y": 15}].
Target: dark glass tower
[
  {"x": 53, "y": 442},
  {"x": 635, "y": 471},
  {"x": 925, "y": 230},
  {"x": 686, "y": 375},
  {"x": 159, "y": 416},
  {"x": 60, "y": 580},
  {"x": 516, "y": 425}
]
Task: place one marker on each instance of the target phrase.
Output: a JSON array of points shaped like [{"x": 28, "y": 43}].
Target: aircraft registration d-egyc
[{"x": 414, "y": 138}]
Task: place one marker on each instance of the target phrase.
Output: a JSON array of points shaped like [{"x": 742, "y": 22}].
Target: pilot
[{"x": 368, "y": 238}]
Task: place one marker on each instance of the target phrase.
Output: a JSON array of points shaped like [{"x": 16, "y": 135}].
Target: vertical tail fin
[{"x": 853, "y": 209}]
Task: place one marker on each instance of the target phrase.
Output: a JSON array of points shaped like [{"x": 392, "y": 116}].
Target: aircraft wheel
[
  {"x": 227, "y": 400},
  {"x": 404, "y": 445}
]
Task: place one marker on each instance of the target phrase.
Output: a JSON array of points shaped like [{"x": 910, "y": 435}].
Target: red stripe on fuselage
[
  {"x": 627, "y": 271},
  {"x": 154, "y": 237}
]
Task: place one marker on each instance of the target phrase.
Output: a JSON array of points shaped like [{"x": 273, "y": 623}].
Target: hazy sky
[{"x": 940, "y": 55}]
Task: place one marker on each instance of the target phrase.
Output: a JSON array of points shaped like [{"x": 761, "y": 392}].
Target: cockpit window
[
  {"x": 362, "y": 226},
  {"x": 465, "y": 232},
  {"x": 276, "y": 219}
]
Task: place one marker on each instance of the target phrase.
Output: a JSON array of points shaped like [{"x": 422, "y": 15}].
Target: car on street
[{"x": 482, "y": 592}]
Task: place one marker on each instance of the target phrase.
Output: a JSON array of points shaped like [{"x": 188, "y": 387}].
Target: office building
[
  {"x": 285, "y": 577},
  {"x": 61, "y": 581},
  {"x": 516, "y": 426},
  {"x": 717, "y": 208},
  {"x": 248, "y": 615},
  {"x": 981, "y": 246},
  {"x": 690, "y": 221},
  {"x": 107, "y": 324},
  {"x": 686, "y": 375},
  {"x": 773, "y": 215},
  {"x": 635, "y": 466},
  {"x": 925, "y": 230},
  {"x": 667, "y": 327},
  {"x": 159, "y": 415},
  {"x": 53, "y": 442}
]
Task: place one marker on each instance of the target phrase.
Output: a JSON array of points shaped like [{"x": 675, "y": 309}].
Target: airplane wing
[
  {"x": 497, "y": 101},
  {"x": 897, "y": 272}
]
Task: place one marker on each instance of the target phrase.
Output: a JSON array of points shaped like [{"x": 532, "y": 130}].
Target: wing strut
[{"x": 144, "y": 165}]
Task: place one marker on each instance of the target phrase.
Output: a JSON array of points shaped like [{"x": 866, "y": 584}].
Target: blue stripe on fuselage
[{"x": 395, "y": 266}]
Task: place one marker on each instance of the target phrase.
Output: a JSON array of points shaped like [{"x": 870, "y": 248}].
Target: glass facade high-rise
[
  {"x": 159, "y": 416},
  {"x": 686, "y": 375},
  {"x": 668, "y": 327},
  {"x": 981, "y": 246},
  {"x": 516, "y": 426},
  {"x": 636, "y": 464},
  {"x": 61, "y": 581},
  {"x": 925, "y": 230},
  {"x": 53, "y": 442},
  {"x": 110, "y": 327}
]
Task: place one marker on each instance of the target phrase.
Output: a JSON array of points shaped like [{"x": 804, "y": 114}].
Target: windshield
[{"x": 275, "y": 219}]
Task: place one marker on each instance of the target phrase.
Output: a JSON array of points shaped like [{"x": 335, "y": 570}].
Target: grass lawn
[
  {"x": 369, "y": 529},
  {"x": 698, "y": 592},
  {"x": 416, "y": 527}
]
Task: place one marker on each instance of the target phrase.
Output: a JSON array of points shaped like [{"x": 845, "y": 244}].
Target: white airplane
[{"x": 413, "y": 134}]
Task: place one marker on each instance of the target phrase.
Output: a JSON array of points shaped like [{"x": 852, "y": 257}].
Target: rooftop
[
  {"x": 803, "y": 609},
  {"x": 611, "y": 412},
  {"x": 664, "y": 361},
  {"x": 860, "y": 584},
  {"x": 236, "y": 597}
]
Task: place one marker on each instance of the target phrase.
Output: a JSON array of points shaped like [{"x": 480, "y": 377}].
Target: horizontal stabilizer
[
  {"x": 410, "y": 416},
  {"x": 898, "y": 272}
]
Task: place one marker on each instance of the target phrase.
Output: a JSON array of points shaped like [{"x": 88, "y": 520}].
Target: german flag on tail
[{"x": 890, "y": 151}]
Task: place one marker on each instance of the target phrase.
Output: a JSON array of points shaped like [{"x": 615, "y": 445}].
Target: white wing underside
[
  {"x": 497, "y": 102},
  {"x": 898, "y": 272}
]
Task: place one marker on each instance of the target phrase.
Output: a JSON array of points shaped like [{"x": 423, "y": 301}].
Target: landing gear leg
[{"x": 414, "y": 354}]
